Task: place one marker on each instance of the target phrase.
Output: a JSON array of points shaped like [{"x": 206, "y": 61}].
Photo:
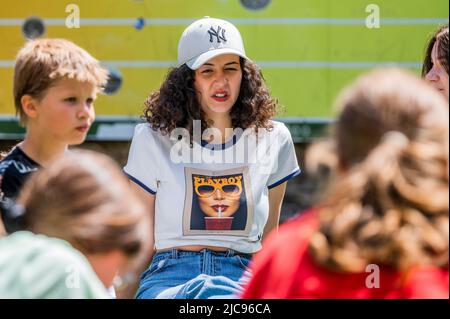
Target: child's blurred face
[
  {"x": 437, "y": 75},
  {"x": 66, "y": 111},
  {"x": 217, "y": 83}
]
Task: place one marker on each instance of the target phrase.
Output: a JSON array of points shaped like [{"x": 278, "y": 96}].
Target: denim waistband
[{"x": 176, "y": 252}]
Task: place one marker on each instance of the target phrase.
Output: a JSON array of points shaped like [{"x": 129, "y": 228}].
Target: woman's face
[
  {"x": 437, "y": 75},
  {"x": 217, "y": 83},
  {"x": 219, "y": 199}
]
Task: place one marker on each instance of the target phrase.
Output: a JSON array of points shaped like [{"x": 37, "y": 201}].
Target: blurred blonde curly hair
[{"x": 390, "y": 207}]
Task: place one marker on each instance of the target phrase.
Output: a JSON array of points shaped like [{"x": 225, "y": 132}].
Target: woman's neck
[{"x": 224, "y": 125}]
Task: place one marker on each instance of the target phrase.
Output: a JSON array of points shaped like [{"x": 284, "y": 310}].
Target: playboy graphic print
[{"x": 217, "y": 202}]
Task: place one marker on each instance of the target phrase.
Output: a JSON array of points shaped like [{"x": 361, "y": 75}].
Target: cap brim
[{"x": 198, "y": 61}]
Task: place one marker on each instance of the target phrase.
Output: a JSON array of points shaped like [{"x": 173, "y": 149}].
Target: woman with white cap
[{"x": 211, "y": 165}]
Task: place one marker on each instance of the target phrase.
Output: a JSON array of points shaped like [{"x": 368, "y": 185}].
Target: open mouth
[
  {"x": 220, "y": 96},
  {"x": 221, "y": 208}
]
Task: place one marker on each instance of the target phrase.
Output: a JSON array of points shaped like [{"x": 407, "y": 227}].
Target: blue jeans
[{"x": 178, "y": 274}]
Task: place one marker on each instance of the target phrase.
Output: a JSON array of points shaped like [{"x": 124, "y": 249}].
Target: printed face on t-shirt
[
  {"x": 217, "y": 202},
  {"x": 218, "y": 197}
]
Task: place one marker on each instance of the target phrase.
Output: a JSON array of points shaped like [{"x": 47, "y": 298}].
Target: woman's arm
[
  {"x": 149, "y": 202},
  {"x": 2, "y": 229},
  {"x": 276, "y": 196}
]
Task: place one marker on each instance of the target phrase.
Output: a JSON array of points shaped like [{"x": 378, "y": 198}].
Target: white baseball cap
[{"x": 207, "y": 38}]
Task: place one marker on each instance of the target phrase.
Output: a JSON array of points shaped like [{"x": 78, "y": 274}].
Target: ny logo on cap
[{"x": 219, "y": 34}]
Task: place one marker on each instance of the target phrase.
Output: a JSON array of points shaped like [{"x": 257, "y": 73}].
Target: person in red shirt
[{"x": 381, "y": 229}]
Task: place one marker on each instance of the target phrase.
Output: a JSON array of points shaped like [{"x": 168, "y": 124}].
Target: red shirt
[{"x": 284, "y": 269}]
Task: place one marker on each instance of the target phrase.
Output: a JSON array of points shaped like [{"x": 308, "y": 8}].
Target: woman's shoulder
[
  {"x": 144, "y": 129},
  {"x": 273, "y": 129},
  {"x": 279, "y": 128},
  {"x": 147, "y": 132},
  {"x": 277, "y": 125}
]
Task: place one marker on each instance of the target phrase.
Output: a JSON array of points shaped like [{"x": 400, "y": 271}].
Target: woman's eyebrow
[{"x": 228, "y": 63}]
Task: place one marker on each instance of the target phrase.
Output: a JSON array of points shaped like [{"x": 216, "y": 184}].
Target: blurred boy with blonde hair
[{"x": 55, "y": 85}]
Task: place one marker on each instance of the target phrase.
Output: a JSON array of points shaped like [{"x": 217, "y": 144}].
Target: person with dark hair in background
[{"x": 436, "y": 62}]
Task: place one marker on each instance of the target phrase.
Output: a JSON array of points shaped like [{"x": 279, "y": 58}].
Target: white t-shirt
[{"x": 213, "y": 195}]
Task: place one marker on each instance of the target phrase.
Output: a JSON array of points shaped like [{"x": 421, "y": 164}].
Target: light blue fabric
[
  {"x": 34, "y": 266},
  {"x": 194, "y": 275}
]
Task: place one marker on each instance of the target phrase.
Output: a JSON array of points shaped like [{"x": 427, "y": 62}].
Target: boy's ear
[{"x": 29, "y": 105}]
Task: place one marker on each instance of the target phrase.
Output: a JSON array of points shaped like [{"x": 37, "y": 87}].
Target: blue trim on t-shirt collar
[{"x": 219, "y": 147}]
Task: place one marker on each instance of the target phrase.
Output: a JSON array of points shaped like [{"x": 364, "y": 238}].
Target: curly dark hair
[{"x": 175, "y": 104}]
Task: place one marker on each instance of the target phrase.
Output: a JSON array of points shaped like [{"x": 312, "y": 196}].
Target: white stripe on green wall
[
  {"x": 239, "y": 21},
  {"x": 262, "y": 64}
]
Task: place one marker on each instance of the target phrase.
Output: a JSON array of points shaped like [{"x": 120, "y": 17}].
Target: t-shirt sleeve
[
  {"x": 11, "y": 183},
  {"x": 285, "y": 165},
  {"x": 142, "y": 166}
]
